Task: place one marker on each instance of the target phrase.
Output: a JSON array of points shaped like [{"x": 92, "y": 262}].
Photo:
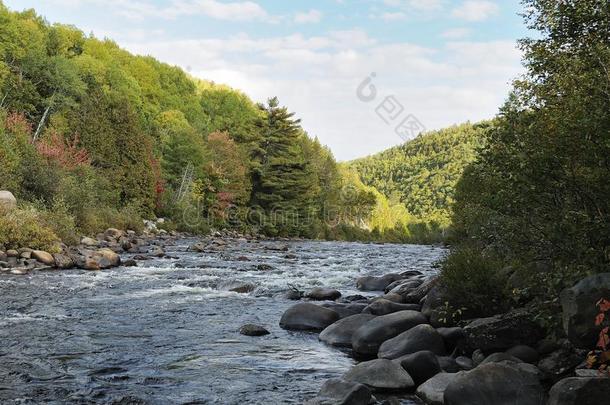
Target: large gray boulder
[
  {"x": 432, "y": 391},
  {"x": 340, "y": 392},
  {"x": 345, "y": 309},
  {"x": 382, "y": 306},
  {"x": 501, "y": 332},
  {"x": 579, "y": 309},
  {"x": 376, "y": 283},
  {"x": 418, "y": 338},
  {"x": 494, "y": 383},
  {"x": 367, "y": 339},
  {"x": 323, "y": 294},
  {"x": 309, "y": 317},
  {"x": 580, "y": 391},
  {"x": 380, "y": 375},
  {"x": 415, "y": 296},
  {"x": 421, "y": 366},
  {"x": 7, "y": 200},
  {"x": 340, "y": 333}
]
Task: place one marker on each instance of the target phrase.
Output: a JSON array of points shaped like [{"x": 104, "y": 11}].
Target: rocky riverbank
[{"x": 404, "y": 350}]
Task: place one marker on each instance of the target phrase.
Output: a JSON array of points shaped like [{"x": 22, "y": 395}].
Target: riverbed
[{"x": 166, "y": 332}]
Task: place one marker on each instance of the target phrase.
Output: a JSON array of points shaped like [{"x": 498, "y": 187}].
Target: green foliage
[
  {"x": 474, "y": 283},
  {"x": 26, "y": 228},
  {"x": 539, "y": 193}
]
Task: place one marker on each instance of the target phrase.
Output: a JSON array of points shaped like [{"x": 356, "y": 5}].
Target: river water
[{"x": 167, "y": 332}]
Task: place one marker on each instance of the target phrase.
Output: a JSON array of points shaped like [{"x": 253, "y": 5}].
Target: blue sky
[{"x": 440, "y": 61}]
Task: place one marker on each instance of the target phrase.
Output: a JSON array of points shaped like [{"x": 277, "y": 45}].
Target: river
[{"x": 166, "y": 332}]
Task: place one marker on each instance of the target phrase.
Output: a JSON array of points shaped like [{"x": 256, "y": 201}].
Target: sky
[{"x": 363, "y": 75}]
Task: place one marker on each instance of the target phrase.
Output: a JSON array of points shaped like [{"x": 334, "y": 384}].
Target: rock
[
  {"x": 547, "y": 346},
  {"x": 500, "y": 357},
  {"x": 340, "y": 333},
  {"x": 19, "y": 271},
  {"x": 477, "y": 357},
  {"x": 421, "y": 366},
  {"x": 580, "y": 391},
  {"x": 374, "y": 283},
  {"x": 237, "y": 286},
  {"x": 382, "y": 306},
  {"x": 435, "y": 299},
  {"x": 107, "y": 258},
  {"x": 433, "y": 390},
  {"x": 293, "y": 295},
  {"x": 371, "y": 335},
  {"x": 452, "y": 337},
  {"x": 63, "y": 261},
  {"x": 90, "y": 263},
  {"x": 113, "y": 233},
  {"x": 501, "y": 332},
  {"x": 496, "y": 384},
  {"x": 525, "y": 353},
  {"x": 340, "y": 392},
  {"x": 43, "y": 257},
  {"x": 141, "y": 257},
  {"x": 253, "y": 330},
  {"x": 345, "y": 310},
  {"x": 397, "y": 298},
  {"x": 418, "y": 338},
  {"x": 156, "y": 251},
  {"x": 448, "y": 364},
  {"x": 86, "y": 241},
  {"x": 323, "y": 294},
  {"x": 25, "y": 254},
  {"x": 130, "y": 263},
  {"x": 198, "y": 247},
  {"x": 264, "y": 267},
  {"x": 405, "y": 287},
  {"x": 306, "y": 316},
  {"x": 579, "y": 308},
  {"x": 7, "y": 200},
  {"x": 464, "y": 363},
  {"x": 12, "y": 253},
  {"x": 415, "y": 296},
  {"x": 380, "y": 375},
  {"x": 560, "y": 363}
]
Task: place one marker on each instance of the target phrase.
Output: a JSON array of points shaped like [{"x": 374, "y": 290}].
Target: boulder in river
[
  {"x": 323, "y": 294},
  {"x": 421, "y": 366},
  {"x": 380, "y": 375},
  {"x": 340, "y": 333},
  {"x": 90, "y": 242},
  {"x": 308, "y": 317},
  {"x": 343, "y": 309},
  {"x": 376, "y": 283},
  {"x": 579, "y": 308},
  {"x": 382, "y": 306},
  {"x": 371, "y": 335},
  {"x": 7, "y": 200},
  {"x": 432, "y": 391},
  {"x": 524, "y": 353},
  {"x": 494, "y": 383},
  {"x": 452, "y": 337},
  {"x": 580, "y": 391},
  {"x": 418, "y": 338},
  {"x": 253, "y": 330},
  {"x": 337, "y": 391},
  {"x": 63, "y": 261},
  {"x": 43, "y": 257},
  {"x": 501, "y": 332}
]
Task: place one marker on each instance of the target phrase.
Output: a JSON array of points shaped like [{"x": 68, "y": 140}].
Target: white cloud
[
  {"x": 317, "y": 77},
  {"x": 475, "y": 10},
  {"x": 312, "y": 16},
  {"x": 456, "y": 33},
  {"x": 396, "y": 16},
  {"x": 419, "y": 5}
]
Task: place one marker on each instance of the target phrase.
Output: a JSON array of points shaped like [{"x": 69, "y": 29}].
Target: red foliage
[
  {"x": 601, "y": 358},
  {"x": 17, "y": 123},
  {"x": 67, "y": 154}
]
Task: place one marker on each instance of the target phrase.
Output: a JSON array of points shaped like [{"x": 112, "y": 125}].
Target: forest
[{"x": 92, "y": 136}]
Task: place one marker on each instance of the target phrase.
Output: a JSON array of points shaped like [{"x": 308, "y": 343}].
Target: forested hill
[
  {"x": 92, "y": 136},
  {"x": 422, "y": 174}
]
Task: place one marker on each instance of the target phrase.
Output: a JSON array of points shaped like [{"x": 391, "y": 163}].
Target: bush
[
  {"x": 59, "y": 219},
  {"x": 26, "y": 228},
  {"x": 473, "y": 284}
]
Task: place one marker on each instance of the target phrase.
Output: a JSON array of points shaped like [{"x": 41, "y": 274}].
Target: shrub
[
  {"x": 472, "y": 283},
  {"x": 26, "y": 228}
]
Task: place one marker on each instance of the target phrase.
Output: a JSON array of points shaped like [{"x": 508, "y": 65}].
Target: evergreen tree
[{"x": 285, "y": 186}]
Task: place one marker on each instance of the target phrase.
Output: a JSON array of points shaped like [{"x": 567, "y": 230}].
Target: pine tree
[{"x": 285, "y": 186}]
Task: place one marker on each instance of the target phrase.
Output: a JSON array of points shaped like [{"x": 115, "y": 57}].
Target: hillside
[{"x": 422, "y": 174}]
